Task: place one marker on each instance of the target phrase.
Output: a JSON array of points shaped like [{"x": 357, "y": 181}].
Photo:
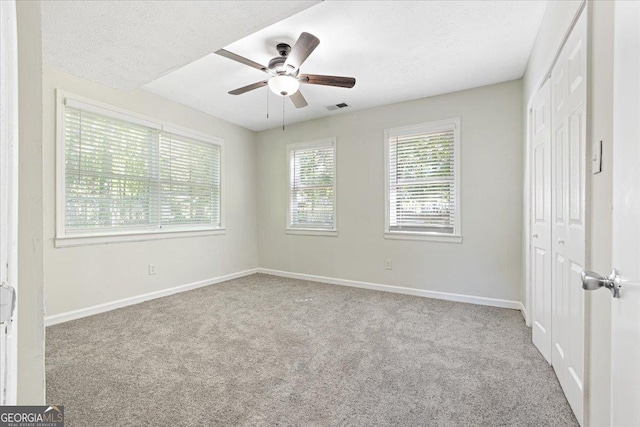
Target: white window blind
[
  {"x": 123, "y": 176},
  {"x": 189, "y": 181},
  {"x": 312, "y": 185},
  {"x": 109, "y": 172},
  {"x": 422, "y": 191}
]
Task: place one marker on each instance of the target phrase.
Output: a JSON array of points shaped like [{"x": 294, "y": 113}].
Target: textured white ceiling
[
  {"x": 397, "y": 51},
  {"x": 125, "y": 44}
]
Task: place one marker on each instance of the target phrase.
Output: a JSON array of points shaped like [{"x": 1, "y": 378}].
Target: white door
[
  {"x": 625, "y": 311},
  {"x": 568, "y": 118},
  {"x": 8, "y": 199},
  {"x": 540, "y": 261}
]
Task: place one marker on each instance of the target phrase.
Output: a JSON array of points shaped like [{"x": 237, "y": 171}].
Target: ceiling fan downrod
[{"x": 283, "y": 49}]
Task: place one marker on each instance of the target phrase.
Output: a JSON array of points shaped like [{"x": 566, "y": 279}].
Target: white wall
[
  {"x": 31, "y": 375},
  {"x": 80, "y": 277},
  {"x": 486, "y": 264}
]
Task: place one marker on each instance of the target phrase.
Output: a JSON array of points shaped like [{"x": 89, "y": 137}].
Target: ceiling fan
[{"x": 284, "y": 70}]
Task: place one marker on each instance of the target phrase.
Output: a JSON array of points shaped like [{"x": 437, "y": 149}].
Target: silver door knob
[{"x": 592, "y": 281}]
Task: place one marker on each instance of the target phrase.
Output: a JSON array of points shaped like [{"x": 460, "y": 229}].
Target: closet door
[
  {"x": 540, "y": 261},
  {"x": 568, "y": 118}
]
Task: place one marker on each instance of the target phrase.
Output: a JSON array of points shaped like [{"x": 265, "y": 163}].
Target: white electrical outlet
[
  {"x": 388, "y": 264},
  {"x": 152, "y": 269}
]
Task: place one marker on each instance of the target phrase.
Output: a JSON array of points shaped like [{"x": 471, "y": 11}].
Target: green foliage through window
[
  {"x": 312, "y": 175},
  {"x": 422, "y": 182},
  {"x": 122, "y": 175}
]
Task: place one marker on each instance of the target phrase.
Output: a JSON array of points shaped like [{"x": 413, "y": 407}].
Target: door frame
[
  {"x": 9, "y": 176},
  {"x": 528, "y": 194},
  {"x": 527, "y": 155},
  {"x": 534, "y": 232}
]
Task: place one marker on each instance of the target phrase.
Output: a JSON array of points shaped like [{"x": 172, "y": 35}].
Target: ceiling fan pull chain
[
  {"x": 267, "y": 104},
  {"x": 283, "y": 113}
]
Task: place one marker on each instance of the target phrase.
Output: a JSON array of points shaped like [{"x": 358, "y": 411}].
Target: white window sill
[
  {"x": 87, "y": 240},
  {"x": 309, "y": 232},
  {"x": 429, "y": 237}
]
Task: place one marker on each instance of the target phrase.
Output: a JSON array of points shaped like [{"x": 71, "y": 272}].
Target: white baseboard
[
  {"x": 523, "y": 310},
  {"x": 101, "y": 308},
  {"x": 493, "y": 302}
]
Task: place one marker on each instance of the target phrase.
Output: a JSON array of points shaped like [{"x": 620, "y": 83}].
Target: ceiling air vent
[{"x": 337, "y": 106}]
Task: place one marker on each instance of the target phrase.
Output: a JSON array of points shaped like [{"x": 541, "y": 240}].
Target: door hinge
[{"x": 7, "y": 302}]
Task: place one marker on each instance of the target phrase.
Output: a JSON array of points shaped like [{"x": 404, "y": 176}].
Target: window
[
  {"x": 122, "y": 176},
  {"x": 312, "y": 187},
  {"x": 422, "y": 181}
]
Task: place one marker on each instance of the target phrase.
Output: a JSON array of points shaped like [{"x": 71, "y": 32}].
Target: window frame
[
  {"x": 434, "y": 236},
  {"x": 313, "y": 231},
  {"x": 65, "y": 238}
]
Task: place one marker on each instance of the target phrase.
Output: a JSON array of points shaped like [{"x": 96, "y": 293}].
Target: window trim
[
  {"x": 313, "y": 231},
  {"x": 433, "y": 236},
  {"x": 82, "y": 238}
]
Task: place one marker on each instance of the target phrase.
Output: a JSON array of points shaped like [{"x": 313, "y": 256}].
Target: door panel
[
  {"x": 558, "y": 176},
  {"x": 559, "y": 299},
  {"x": 568, "y": 228},
  {"x": 574, "y": 63},
  {"x": 539, "y": 170},
  {"x": 625, "y": 311},
  {"x": 540, "y": 260},
  {"x": 559, "y": 89},
  {"x": 542, "y": 303},
  {"x": 576, "y": 140}
]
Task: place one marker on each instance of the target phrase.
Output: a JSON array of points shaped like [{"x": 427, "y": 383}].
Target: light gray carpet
[{"x": 264, "y": 350}]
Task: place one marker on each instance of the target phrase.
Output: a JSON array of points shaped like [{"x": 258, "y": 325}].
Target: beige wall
[
  {"x": 30, "y": 193},
  {"x": 81, "y": 277},
  {"x": 486, "y": 264}
]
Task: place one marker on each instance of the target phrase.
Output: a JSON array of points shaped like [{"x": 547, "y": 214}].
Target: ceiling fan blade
[
  {"x": 302, "y": 49},
  {"x": 316, "y": 79},
  {"x": 241, "y": 59},
  {"x": 247, "y": 88},
  {"x": 298, "y": 100}
]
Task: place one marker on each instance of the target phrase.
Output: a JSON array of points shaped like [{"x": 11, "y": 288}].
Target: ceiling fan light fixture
[{"x": 284, "y": 85}]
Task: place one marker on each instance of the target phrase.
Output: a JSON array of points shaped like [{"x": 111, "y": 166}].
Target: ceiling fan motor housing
[
  {"x": 277, "y": 65},
  {"x": 283, "y": 49}
]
